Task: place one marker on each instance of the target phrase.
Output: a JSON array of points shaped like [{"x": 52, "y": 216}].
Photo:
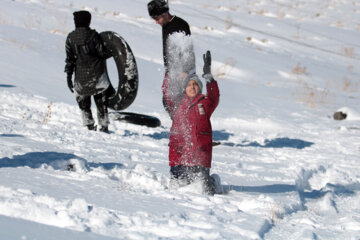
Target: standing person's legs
[
  {"x": 84, "y": 103},
  {"x": 102, "y": 111}
]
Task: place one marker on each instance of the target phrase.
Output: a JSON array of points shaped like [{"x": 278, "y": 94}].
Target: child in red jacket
[{"x": 190, "y": 144}]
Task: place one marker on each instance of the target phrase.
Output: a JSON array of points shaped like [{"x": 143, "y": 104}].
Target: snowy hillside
[{"x": 288, "y": 169}]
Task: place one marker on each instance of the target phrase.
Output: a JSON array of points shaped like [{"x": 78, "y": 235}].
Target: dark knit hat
[
  {"x": 82, "y": 18},
  {"x": 194, "y": 77},
  {"x": 157, "y": 8}
]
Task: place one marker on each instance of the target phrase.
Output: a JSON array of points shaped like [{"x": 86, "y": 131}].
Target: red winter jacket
[{"x": 191, "y": 133}]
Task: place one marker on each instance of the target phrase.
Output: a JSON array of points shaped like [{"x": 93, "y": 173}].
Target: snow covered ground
[{"x": 288, "y": 169}]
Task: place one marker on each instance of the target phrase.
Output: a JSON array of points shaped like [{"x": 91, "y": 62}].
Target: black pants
[
  {"x": 84, "y": 103},
  {"x": 187, "y": 175}
]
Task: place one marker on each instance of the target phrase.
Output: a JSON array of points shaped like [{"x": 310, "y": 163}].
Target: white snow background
[{"x": 288, "y": 169}]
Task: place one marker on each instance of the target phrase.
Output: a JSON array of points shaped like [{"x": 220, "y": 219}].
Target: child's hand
[
  {"x": 207, "y": 67},
  {"x": 207, "y": 63}
]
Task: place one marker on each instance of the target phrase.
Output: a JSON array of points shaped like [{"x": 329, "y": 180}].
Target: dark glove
[
  {"x": 207, "y": 67},
  {"x": 70, "y": 83}
]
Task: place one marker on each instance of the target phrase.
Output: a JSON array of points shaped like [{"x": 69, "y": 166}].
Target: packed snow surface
[{"x": 288, "y": 169}]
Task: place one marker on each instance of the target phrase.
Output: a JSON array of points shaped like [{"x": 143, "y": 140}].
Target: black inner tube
[{"x": 125, "y": 62}]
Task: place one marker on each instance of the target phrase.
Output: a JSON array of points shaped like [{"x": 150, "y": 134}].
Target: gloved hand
[
  {"x": 207, "y": 67},
  {"x": 70, "y": 83}
]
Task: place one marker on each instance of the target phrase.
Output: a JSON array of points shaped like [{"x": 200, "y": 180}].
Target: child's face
[{"x": 192, "y": 89}]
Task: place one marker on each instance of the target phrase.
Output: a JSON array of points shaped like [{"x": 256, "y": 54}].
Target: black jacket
[
  {"x": 176, "y": 25},
  {"x": 85, "y": 55}
]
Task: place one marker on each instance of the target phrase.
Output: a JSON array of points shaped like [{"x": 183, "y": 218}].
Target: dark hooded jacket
[{"x": 85, "y": 55}]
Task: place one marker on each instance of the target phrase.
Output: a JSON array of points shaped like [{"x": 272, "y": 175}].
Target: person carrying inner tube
[
  {"x": 190, "y": 143},
  {"x": 86, "y": 56}
]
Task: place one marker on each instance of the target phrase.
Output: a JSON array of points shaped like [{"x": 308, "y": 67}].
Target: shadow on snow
[
  {"x": 10, "y": 135},
  {"x": 7, "y": 86},
  {"x": 275, "y": 143},
  {"x": 336, "y": 189},
  {"x": 222, "y": 135},
  {"x": 58, "y": 161}
]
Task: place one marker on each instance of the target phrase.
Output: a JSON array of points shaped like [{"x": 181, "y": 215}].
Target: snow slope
[{"x": 288, "y": 170}]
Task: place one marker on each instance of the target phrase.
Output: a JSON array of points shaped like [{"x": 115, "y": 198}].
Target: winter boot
[
  {"x": 104, "y": 129},
  {"x": 217, "y": 183},
  {"x": 91, "y": 127}
]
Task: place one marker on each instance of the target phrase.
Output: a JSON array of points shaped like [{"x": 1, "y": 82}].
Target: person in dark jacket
[
  {"x": 182, "y": 63},
  {"x": 190, "y": 143},
  {"x": 85, "y": 55}
]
